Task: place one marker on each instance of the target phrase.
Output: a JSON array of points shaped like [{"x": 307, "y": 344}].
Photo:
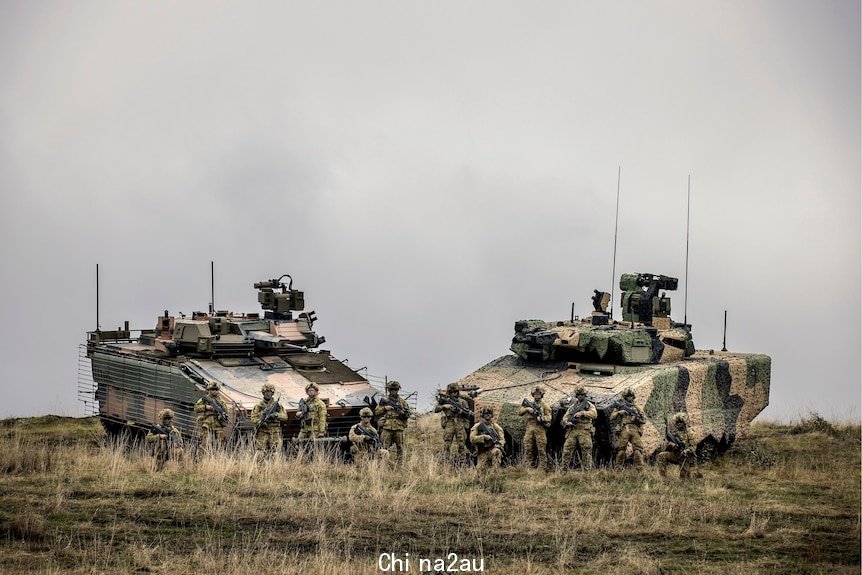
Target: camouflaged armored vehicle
[
  {"x": 647, "y": 352},
  {"x": 171, "y": 365}
]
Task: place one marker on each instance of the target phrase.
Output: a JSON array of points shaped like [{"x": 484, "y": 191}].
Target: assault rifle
[
  {"x": 217, "y": 408},
  {"x": 678, "y": 445},
  {"x": 268, "y": 413},
  {"x": 303, "y": 412},
  {"x": 630, "y": 409},
  {"x": 399, "y": 410},
  {"x": 537, "y": 411},
  {"x": 486, "y": 429},
  {"x": 369, "y": 435},
  {"x": 585, "y": 404},
  {"x": 162, "y": 430},
  {"x": 456, "y": 405}
]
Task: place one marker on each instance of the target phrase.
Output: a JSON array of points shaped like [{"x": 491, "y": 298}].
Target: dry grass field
[{"x": 785, "y": 500}]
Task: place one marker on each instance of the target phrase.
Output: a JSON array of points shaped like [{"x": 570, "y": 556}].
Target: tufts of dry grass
[{"x": 83, "y": 507}]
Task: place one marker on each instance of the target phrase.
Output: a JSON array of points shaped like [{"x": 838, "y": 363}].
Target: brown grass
[{"x": 76, "y": 505}]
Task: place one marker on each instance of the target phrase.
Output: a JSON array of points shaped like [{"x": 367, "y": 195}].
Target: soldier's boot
[
  {"x": 587, "y": 459},
  {"x": 619, "y": 460},
  {"x": 639, "y": 460}
]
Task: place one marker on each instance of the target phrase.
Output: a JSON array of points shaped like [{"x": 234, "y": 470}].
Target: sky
[{"x": 429, "y": 173}]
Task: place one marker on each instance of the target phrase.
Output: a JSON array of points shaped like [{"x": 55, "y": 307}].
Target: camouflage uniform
[
  {"x": 535, "y": 442},
  {"x": 685, "y": 456},
  {"x": 455, "y": 424},
  {"x": 170, "y": 445},
  {"x": 267, "y": 439},
  {"x": 362, "y": 447},
  {"x": 489, "y": 454},
  {"x": 315, "y": 423},
  {"x": 629, "y": 432},
  {"x": 210, "y": 425},
  {"x": 579, "y": 435},
  {"x": 392, "y": 424}
]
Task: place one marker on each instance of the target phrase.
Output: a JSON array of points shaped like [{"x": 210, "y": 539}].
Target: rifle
[
  {"x": 537, "y": 411},
  {"x": 268, "y": 413},
  {"x": 303, "y": 412},
  {"x": 162, "y": 430},
  {"x": 585, "y": 404},
  {"x": 459, "y": 409},
  {"x": 399, "y": 410},
  {"x": 217, "y": 408},
  {"x": 486, "y": 429},
  {"x": 368, "y": 434},
  {"x": 630, "y": 409}
]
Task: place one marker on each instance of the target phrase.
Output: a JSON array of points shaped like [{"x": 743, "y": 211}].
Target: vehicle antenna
[
  {"x": 687, "y": 218},
  {"x": 724, "y": 337},
  {"x": 212, "y": 287},
  {"x": 616, "y": 224},
  {"x": 573, "y": 312},
  {"x": 98, "y": 327}
]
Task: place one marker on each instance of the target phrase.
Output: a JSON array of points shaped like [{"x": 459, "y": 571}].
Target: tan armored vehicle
[
  {"x": 171, "y": 366},
  {"x": 646, "y": 352}
]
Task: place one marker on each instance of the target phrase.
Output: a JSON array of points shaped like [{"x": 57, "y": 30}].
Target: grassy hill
[{"x": 785, "y": 500}]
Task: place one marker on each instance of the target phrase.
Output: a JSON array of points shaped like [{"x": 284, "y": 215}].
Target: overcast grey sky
[{"x": 429, "y": 173}]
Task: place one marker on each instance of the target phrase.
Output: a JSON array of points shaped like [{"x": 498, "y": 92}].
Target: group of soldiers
[
  {"x": 578, "y": 422},
  {"x": 393, "y": 412}
]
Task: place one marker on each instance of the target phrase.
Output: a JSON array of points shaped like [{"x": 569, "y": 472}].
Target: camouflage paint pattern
[{"x": 721, "y": 392}]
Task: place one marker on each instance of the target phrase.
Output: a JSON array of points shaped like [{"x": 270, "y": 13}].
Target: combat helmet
[
  {"x": 486, "y": 411},
  {"x": 166, "y": 414},
  {"x": 393, "y": 385},
  {"x": 628, "y": 393},
  {"x": 453, "y": 387},
  {"x": 538, "y": 390},
  {"x": 366, "y": 412},
  {"x": 680, "y": 417},
  {"x": 581, "y": 391},
  {"x": 312, "y": 385},
  {"x": 267, "y": 388},
  {"x": 212, "y": 386}
]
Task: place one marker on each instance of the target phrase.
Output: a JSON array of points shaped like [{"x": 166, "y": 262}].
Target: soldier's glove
[{"x": 688, "y": 452}]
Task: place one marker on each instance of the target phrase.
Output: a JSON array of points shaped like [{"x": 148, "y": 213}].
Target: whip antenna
[
  {"x": 616, "y": 224},
  {"x": 687, "y": 218}
]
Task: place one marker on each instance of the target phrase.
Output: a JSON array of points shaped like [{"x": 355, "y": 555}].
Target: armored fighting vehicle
[
  {"x": 171, "y": 366},
  {"x": 646, "y": 352}
]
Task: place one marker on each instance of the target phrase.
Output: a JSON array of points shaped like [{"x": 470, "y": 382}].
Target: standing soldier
[
  {"x": 535, "y": 438},
  {"x": 213, "y": 416},
  {"x": 489, "y": 439},
  {"x": 393, "y": 412},
  {"x": 267, "y": 416},
  {"x": 631, "y": 426},
  {"x": 578, "y": 422},
  {"x": 364, "y": 439},
  {"x": 679, "y": 449},
  {"x": 169, "y": 438},
  {"x": 312, "y": 415},
  {"x": 455, "y": 422}
]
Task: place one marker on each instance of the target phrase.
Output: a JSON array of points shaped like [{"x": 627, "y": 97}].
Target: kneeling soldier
[
  {"x": 578, "y": 422},
  {"x": 455, "y": 422},
  {"x": 489, "y": 440},
  {"x": 364, "y": 440},
  {"x": 535, "y": 437},
  {"x": 169, "y": 438},
  {"x": 213, "y": 416},
  {"x": 679, "y": 449},
  {"x": 267, "y": 416}
]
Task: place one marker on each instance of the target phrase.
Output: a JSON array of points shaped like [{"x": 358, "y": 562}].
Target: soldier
[
  {"x": 535, "y": 437},
  {"x": 578, "y": 422},
  {"x": 211, "y": 420},
  {"x": 680, "y": 450},
  {"x": 365, "y": 442},
  {"x": 169, "y": 438},
  {"x": 268, "y": 416},
  {"x": 314, "y": 423},
  {"x": 455, "y": 422},
  {"x": 395, "y": 412},
  {"x": 489, "y": 440},
  {"x": 630, "y": 428}
]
